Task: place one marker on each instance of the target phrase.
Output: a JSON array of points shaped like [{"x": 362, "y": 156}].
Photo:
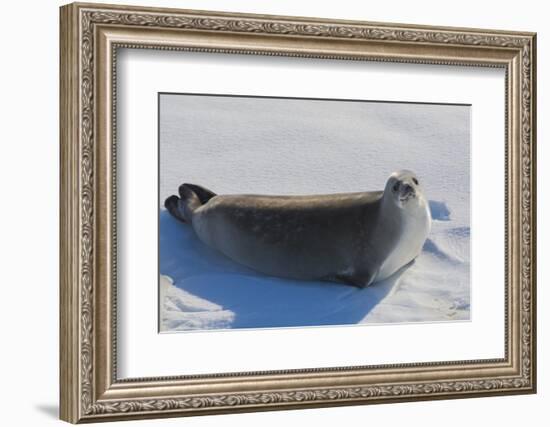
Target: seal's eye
[
  {"x": 415, "y": 181},
  {"x": 396, "y": 187}
]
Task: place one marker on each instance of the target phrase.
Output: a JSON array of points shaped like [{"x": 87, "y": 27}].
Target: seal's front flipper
[{"x": 359, "y": 280}]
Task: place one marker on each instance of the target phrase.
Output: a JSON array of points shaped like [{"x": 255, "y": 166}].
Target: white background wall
[{"x": 29, "y": 171}]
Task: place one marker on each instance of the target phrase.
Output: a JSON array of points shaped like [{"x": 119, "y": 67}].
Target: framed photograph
[{"x": 266, "y": 212}]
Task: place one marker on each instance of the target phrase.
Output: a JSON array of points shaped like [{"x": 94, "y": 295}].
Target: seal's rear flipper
[
  {"x": 204, "y": 194},
  {"x": 183, "y": 208},
  {"x": 172, "y": 205}
]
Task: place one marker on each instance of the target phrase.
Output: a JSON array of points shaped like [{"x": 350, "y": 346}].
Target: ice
[{"x": 250, "y": 145}]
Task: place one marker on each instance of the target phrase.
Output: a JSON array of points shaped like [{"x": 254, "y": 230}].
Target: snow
[
  {"x": 278, "y": 146},
  {"x": 182, "y": 310}
]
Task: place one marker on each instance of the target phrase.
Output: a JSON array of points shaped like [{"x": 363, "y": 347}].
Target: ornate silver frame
[{"x": 90, "y": 36}]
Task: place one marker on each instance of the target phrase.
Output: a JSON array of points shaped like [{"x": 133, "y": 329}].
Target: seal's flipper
[
  {"x": 183, "y": 208},
  {"x": 188, "y": 203},
  {"x": 204, "y": 194},
  {"x": 361, "y": 281},
  {"x": 172, "y": 205}
]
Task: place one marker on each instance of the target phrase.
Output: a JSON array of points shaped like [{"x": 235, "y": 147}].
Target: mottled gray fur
[{"x": 337, "y": 237}]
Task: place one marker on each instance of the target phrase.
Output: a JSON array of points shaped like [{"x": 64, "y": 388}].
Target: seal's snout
[
  {"x": 408, "y": 189},
  {"x": 406, "y": 192}
]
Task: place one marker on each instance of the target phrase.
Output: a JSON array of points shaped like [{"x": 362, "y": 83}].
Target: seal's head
[{"x": 403, "y": 188}]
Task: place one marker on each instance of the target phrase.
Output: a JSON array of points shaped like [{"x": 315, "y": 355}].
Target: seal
[{"x": 354, "y": 238}]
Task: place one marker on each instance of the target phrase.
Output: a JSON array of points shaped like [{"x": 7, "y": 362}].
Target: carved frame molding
[{"x": 90, "y": 36}]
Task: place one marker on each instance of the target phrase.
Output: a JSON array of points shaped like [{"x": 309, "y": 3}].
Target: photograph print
[{"x": 301, "y": 212}]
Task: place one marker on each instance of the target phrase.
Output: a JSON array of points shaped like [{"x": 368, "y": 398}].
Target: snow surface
[{"x": 277, "y": 146}]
